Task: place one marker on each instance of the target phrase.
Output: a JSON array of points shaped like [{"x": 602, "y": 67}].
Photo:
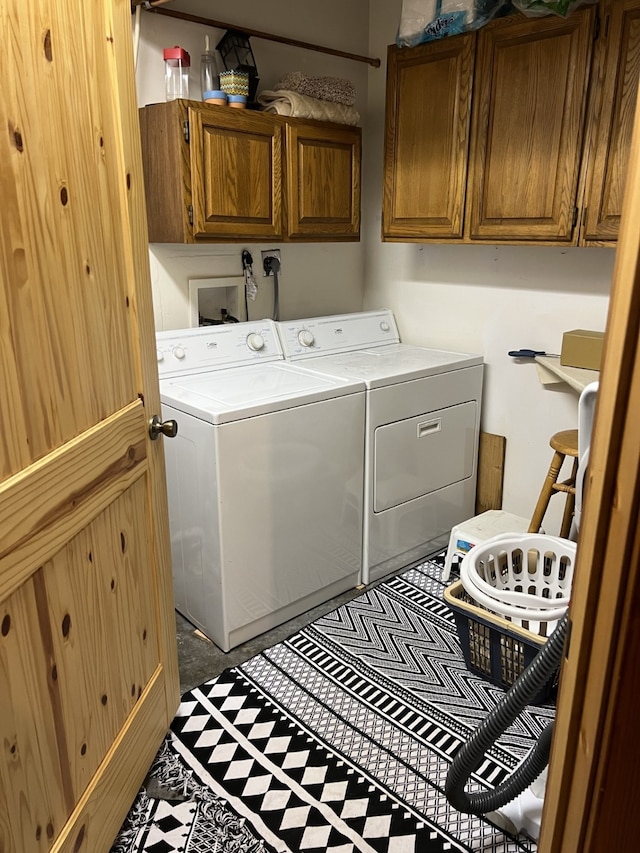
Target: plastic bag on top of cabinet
[
  {"x": 426, "y": 20},
  {"x": 536, "y": 8}
]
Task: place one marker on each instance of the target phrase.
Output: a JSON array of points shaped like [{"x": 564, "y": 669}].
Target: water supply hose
[
  {"x": 470, "y": 755},
  {"x": 272, "y": 267}
]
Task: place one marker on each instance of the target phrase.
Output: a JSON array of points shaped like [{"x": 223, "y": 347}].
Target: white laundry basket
[
  {"x": 513, "y": 590},
  {"x": 524, "y": 578}
]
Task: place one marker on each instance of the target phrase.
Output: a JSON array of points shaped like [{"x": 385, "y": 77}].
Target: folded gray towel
[
  {"x": 294, "y": 104},
  {"x": 334, "y": 89}
]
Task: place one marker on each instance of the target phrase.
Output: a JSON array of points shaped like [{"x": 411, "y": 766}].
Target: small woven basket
[{"x": 234, "y": 82}]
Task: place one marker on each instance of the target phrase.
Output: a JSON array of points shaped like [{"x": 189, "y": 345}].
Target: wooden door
[
  {"x": 615, "y": 92},
  {"x": 594, "y": 776},
  {"x": 236, "y": 173},
  {"x": 88, "y": 669},
  {"x": 323, "y": 181},
  {"x": 427, "y": 124},
  {"x": 529, "y": 103}
]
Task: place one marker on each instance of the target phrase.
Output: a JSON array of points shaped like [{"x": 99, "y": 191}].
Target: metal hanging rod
[{"x": 153, "y": 6}]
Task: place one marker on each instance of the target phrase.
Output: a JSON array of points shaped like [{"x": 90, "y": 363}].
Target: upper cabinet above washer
[
  {"x": 517, "y": 133},
  {"x": 322, "y": 181},
  {"x": 217, "y": 174}
]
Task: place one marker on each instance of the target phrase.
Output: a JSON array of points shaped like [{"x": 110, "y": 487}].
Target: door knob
[{"x": 158, "y": 428}]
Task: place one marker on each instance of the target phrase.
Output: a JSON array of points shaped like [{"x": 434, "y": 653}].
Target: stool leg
[
  {"x": 547, "y": 491},
  {"x": 570, "y": 505}
]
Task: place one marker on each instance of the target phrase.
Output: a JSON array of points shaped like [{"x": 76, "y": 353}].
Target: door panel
[
  {"x": 419, "y": 455},
  {"x": 229, "y": 162},
  {"x": 427, "y": 138},
  {"x": 323, "y": 180},
  {"x": 611, "y": 143},
  {"x": 88, "y": 669},
  {"x": 528, "y": 125},
  {"x": 32, "y": 783},
  {"x": 95, "y": 597}
]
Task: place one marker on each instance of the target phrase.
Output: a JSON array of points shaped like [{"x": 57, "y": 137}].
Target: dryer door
[{"x": 419, "y": 455}]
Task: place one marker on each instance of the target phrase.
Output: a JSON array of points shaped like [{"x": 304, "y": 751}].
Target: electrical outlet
[{"x": 270, "y": 253}]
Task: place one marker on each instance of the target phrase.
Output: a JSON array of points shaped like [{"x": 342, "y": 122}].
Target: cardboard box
[{"x": 582, "y": 348}]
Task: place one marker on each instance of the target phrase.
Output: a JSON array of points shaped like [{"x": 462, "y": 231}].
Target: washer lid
[
  {"x": 222, "y": 396},
  {"x": 388, "y": 365}
]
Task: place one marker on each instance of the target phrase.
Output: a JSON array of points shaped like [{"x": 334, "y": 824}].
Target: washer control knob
[
  {"x": 385, "y": 326},
  {"x": 178, "y": 352},
  {"x": 159, "y": 355},
  {"x": 306, "y": 338},
  {"x": 255, "y": 342}
]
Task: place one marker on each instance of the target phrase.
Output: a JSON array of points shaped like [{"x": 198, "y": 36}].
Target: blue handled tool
[{"x": 525, "y": 353}]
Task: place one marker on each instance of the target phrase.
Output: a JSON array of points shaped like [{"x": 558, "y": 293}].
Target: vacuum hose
[{"x": 471, "y": 753}]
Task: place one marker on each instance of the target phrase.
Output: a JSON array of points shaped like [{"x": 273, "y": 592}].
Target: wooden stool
[{"x": 564, "y": 444}]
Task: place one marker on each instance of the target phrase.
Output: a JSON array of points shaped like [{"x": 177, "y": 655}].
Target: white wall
[
  {"x": 473, "y": 298},
  {"x": 484, "y": 299},
  {"x": 316, "y": 278}
]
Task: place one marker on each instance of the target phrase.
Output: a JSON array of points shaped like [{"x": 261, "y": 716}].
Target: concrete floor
[{"x": 199, "y": 659}]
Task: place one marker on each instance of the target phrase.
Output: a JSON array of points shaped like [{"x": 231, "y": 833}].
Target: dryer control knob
[
  {"x": 306, "y": 338},
  {"x": 159, "y": 355},
  {"x": 385, "y": 326},
  {"x": 178, "y": 352},
  {"x": 255, "y": 342}
]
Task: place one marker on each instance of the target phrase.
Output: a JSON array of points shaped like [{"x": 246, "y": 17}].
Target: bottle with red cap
[{"x": 177, "y": 64}]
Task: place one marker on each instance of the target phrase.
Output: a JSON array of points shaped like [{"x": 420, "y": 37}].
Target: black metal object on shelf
[{"x": 235, "y": 49}]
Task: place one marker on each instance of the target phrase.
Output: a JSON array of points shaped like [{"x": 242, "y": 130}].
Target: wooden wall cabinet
[
  {"x": 322, "y": 186},
  {"x": 484, "y": 135},
  {"x": 530, "y": 98},
  {"x": 616, "y": 75},
  {"x": 427, "y": 138},
  {"x": 208, "y": 175},
  {"x": 217, "y": 174}
]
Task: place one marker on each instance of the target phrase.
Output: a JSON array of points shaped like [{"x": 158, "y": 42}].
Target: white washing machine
[
  {"x": 421, "y": 432},
  {"x": 264, "y": 479}
]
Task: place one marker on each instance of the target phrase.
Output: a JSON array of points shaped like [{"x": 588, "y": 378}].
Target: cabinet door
[
  {"x": 236, "y": 174},
  {"x": 427, "y": 138},
  {"x": 323, "y": 181},
  {"x": 529, "y": 104},
  {"x": 615, "y": 97}
]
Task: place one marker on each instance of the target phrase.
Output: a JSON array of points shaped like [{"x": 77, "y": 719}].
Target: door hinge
[
  {"x": 186, "y": 132},
  {"x": 575, "y": 217},
  {"x": 190, "y": 213}
]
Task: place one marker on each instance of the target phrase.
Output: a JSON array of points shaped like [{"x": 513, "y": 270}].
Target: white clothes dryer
[
  {"x": 421, "y": 432},
  {"x": 264, "y": 479}
]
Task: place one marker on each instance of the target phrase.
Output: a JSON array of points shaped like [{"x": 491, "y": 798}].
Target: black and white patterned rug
[{"x": 338, "y": 739}]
